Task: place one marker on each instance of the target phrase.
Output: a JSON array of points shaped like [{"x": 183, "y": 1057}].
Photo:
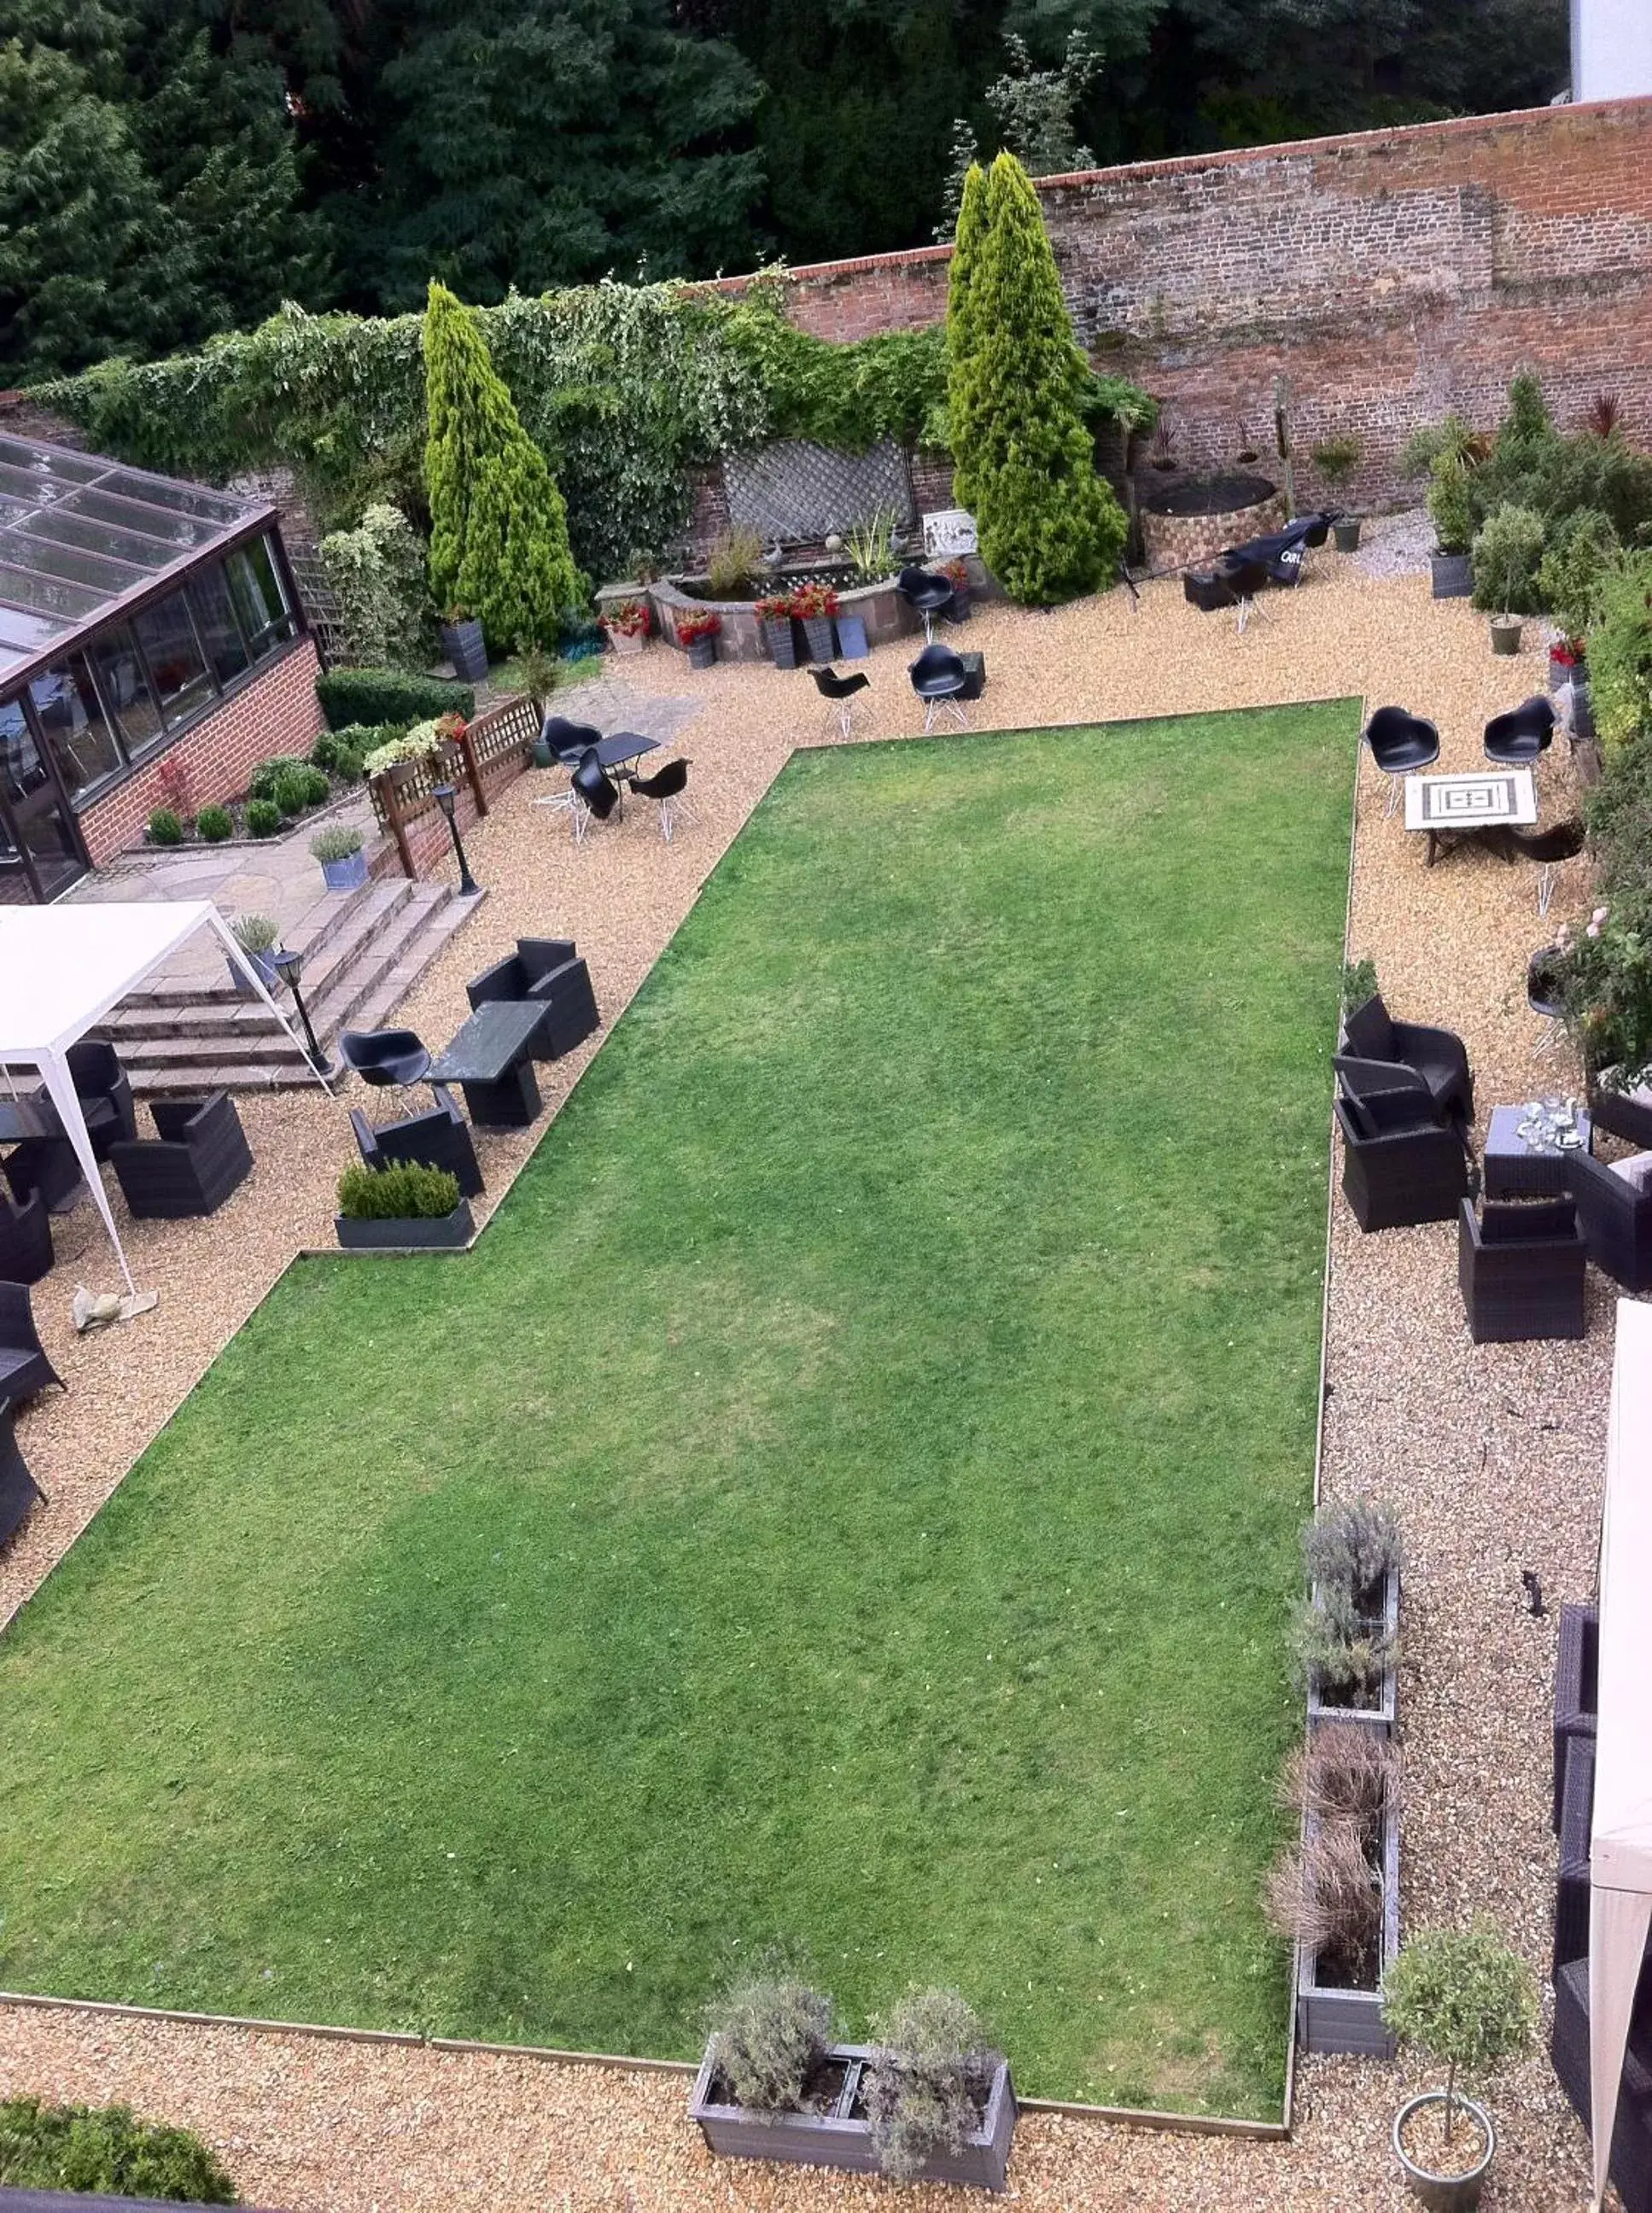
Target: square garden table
[
  {"x": 490, "y": 1059},
  {"x": 1476, "y": 807},
  {"x": 1517, "y": 1168}
]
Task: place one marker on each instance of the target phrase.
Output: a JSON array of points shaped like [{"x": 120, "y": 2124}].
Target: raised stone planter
[
  {"x": 880, "y": 606},
  {"x": 1179, "y": 533}
]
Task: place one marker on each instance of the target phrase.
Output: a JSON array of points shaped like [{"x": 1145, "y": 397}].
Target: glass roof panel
[
  {"x": 27, "y": 632},
  {"x": 64, "y": 528},
  {"x": 48, "y": 596},
  {"x": 183, "y": 499},
  {"x": 71, "y": 561},
  {"x": 30, "y": 490},
  {"x": 78, "y": 468},
  {"x": 179, "y": 531}
]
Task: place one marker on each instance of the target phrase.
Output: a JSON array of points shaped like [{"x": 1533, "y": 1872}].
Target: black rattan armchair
[
  {"x": 1568, "y": 2048},
  {"x": 1576, "y": 1690},
  {"x": 1370, "y": 1033},
  {"x": 1616, "y": 1219},
  {"x": 1626, "y": 1111},
  {"x": 515, "y": 976},
  {"x": 19, "y": 1491},
  {"x": 1520, "y": 1268},
  {"x": 198, "y": 1157},
  {"x": 1397, "y": 1170},
  {"x": 1572, "y": 1903},
  {"x": 26, "y": 1253},
  {"x": 24, "y": 1367},
  {"x": 438, "y": 1139},
  {"x": 100, "y": 1080},
  {"x": 562, "y": 986}
]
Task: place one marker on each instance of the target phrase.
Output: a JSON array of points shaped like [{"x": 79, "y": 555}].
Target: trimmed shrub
[
  {"x": 268, "y": 774},
  {"x": 350, "y": 696},
  {"x": 1451, "y": 507},
  {"x": 1574, "y": 567},
  {"x": 499, "y": 528},
  {"x": 214, "y": 824},
  {"x": 406, "y": 1192},
  {"x": 1620, "y": 652},
  {"x": 342, "y": 751},
  {"x": 263, "y": 818},
  {"x": 291, "y": 791},
  {"x": 1507, "y": 552},
  {"x": 165, "y": 828},
  {"x": 106, "y": 2150}
]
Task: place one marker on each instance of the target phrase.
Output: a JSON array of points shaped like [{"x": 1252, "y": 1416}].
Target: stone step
[{"x": 328, "y": 919}]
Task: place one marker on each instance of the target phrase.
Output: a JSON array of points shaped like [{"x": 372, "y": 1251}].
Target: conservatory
[{"x": 134, "y": 609}]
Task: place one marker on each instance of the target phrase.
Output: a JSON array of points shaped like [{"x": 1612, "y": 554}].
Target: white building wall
[{"x": 1611, "y": 49}]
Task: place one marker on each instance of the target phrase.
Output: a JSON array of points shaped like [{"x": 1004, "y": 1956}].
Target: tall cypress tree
[
  {"x": 499, "y": 528},
  {"x": 963, "y": 331},
  {"x": 1049, "y": 527}
]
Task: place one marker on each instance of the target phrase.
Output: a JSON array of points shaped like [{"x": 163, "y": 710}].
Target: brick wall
[
  {"x": 1389, "y": 274},
  {"x": 276, "y": 713}
]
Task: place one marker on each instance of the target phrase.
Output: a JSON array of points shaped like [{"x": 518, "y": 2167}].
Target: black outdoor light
[
  {"x": 289, "y": 966},
  {"x": 444, "y": 795}
]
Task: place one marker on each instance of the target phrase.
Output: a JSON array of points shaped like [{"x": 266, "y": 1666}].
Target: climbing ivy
[{"x": 624, "y": 387}]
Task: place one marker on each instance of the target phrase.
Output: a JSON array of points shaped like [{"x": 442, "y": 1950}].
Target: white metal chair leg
[
  {"x": 1544, "y": 890},
  {"x": 580, "y": 815},
  {"x": 1394, "y": 788}
]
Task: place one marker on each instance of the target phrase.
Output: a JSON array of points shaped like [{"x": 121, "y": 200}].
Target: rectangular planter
[
  {"x": 1329, "y": 2019},
  {"x": 443, "y": 1232},
  {"x": 837, "y": 2139},
  {"x": 463, "y": 645},
  {"x": 781, "y": 642},
  {"x": 1378, "y": 1713}
]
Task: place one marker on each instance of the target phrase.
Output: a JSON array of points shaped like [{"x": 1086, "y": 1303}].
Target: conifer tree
[
  {"x": 963, "y": 331},
  {"x": 499, "y": 528},
  {"x": 1049, "y": 527}
]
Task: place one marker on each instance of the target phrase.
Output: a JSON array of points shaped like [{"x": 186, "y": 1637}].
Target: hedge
[
  {"x": 105, "y": 2149},
  {"x": 386, "y": 695}
]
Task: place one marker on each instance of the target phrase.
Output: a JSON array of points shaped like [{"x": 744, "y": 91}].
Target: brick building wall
[
  {"x": 1390, "y": 275},
  {"x": 276, "y": 713}
]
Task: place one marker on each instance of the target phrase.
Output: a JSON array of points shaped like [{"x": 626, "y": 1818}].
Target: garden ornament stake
[{"x": 444, "y": 795}]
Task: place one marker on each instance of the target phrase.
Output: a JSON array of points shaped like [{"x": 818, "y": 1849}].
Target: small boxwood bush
[
  {"x": 165, "y": 828},
  {"x": 292, "y": 793},
  {"x": 215, "y": 824},
  {"x": 386, "y": 695},
  {"x": 263, "y": 818},
  {"x": 406, "y": 1192},
  {"x": 105, "y": 2149},
  {"x": 268, "y": 774}
]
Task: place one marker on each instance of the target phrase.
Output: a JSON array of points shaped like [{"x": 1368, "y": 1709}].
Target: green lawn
[{"x": 849, "y": 1498}]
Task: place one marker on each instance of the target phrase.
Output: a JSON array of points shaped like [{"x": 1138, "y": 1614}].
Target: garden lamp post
[
  {"x": 289, "y": 966},
  {"x": 444, "y": 796}
]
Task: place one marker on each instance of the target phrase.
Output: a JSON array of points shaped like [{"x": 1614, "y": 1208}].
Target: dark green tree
[
  {"x": 965, "y": 394},
  {"x": 499, "y": 528},
  {"x": 1050, "y": 528}
]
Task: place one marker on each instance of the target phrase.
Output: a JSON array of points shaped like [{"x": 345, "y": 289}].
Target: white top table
[{"x": 1479, "y": 799}]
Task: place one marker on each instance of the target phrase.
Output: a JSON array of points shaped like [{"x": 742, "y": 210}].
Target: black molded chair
[
  {"x": 1616, "y": 1219},
  {"x": 667, "y": 787},
  {"x": 100, "y": 1080},
  {"x": 1400, "y": 744},
  {"x": 19, "y": 1491},
  {"x": 838, "y": 693},
  {"x": 926, "y": 593},
  {"x": 562, "y": 986},
  {"x": 940, "y": 678},
  {"x": 1244, "y": 576},
  {"x": 196, "y": 1159},
  {"x": 1520, "y": 1270},
  {"x": 26, "y": 1252},
  {"x": 594, "y": 793},
  {"x": 1370, "y": 1033},
  {"x": 569, "y": 741},
  {"x": 388, "y": 1058},
  {"x": 24, "y": 1367},
  {"x": 1515, "y": 739},
  {"x": 438, "y": 1139}
]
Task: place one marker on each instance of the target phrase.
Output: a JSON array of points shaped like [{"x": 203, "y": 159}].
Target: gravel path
[{"x": 1493, "y": 1453}]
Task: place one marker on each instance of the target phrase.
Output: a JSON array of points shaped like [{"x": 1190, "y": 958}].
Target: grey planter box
[
  {"x": 822, "y": 645},
  {"x": 781, "y": 643},
  {"x": 1453, "y": 576},
  {"x": 463, "y": 645},
  {"x": 836, "y": 2139},
  {"x": 442, "y": 1233},
  {"x": 348, "y": 874},
  {"x": 1379, "y": 1712},
  {"x": 851, "y": 638},
  {"x": 1331, "y": 2019}
]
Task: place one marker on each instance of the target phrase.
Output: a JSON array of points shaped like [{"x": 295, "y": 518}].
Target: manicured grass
[{"x": 848, "y": 1499}]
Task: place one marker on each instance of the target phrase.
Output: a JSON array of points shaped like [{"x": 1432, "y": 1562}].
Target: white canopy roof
[
  {"x": 1620, "y": 1850},
  {"x": 61, "y": 968}
]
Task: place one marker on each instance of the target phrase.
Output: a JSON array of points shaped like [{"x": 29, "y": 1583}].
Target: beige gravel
[{"x": 1494, "y": 1454}]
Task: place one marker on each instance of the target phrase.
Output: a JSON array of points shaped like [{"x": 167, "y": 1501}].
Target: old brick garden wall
[{"x": 1389, "y": 274}]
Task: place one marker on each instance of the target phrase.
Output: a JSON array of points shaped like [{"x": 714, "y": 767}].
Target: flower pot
[
  {"x": 628, "y": 641},
  {"x": 1446, "y": 2193},
  {"x": 1562, "y": 673},
  {"x": 851, "y": 638},
  {"x": 822, "y": 645},
  {"x": 957, "y": 607},
  {"x": 543, "y": 756},
  {"x": 268, "y": 974},
  {"x": 1453, "y": 576},
  {"x": 463, "y": 645},
  {"x": 348, "y": 874},
  {"x": 836, "y": 2135},
  {"x": 783, "y": 646},
  {"x": 1583, "y": 711},
  {"x": 703, "y": 651},
  {"x": 1346, "y": 533},
  {"x": 1505, "y": 634},
  {"x": 1544, "y": 986},
  {"x": 441, "y": 1233}
]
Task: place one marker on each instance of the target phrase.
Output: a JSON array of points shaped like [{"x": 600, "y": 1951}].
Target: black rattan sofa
[
  {"x": 1521, "y": 1267},
  {"x": 26, "y": 1253},
  {"x": 1576, "y": 1690},
  {"x": 24, "y": 1367},
  {"x": 1616, "y": 1220},
  {"x": 19, "y": 1491},
  {"x": 1568, "y": 2047},
  {"x": 196, "y": 1159}
]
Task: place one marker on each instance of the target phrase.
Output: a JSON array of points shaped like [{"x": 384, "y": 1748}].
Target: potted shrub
[
  {"x": 257, "y": 936},
  {"x": 774, "y": 621},
  {"x": 956, "y": 572},
  {"x": 930, "y": 2102},
  {"x": 627, "y": 623},
  {"x": 1336, "y": 462},
  {"x": 1346, "y": 1637},
  {"x": 339, "y": 850},
  {"x": 1452, "y": 512},
  {"x": 1468, "y": 2000},
  {"x": 1507, "y": 552},
  {"x": 699, "y": 633},
  {"x": 405, "y": 1207},
  {"x": 814, "y": 605},
  {"x": 1335, "y": 1894},
  {"x": 463, "y": 645}
]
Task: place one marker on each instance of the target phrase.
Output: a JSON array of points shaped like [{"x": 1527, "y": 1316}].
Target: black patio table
[
  {"x": 623, "y": 747},
  {"x": 490, "y": 1059},
  {"x": 1516, "y": 1169}
]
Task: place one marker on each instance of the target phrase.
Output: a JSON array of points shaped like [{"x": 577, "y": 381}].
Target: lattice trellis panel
[{"x": 795, "y": 491}]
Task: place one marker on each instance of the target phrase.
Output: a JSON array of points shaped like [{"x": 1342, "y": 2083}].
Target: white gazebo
[
  {"x": 1620, "y": 1847},
  {"x": 61, "y": 968}
]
